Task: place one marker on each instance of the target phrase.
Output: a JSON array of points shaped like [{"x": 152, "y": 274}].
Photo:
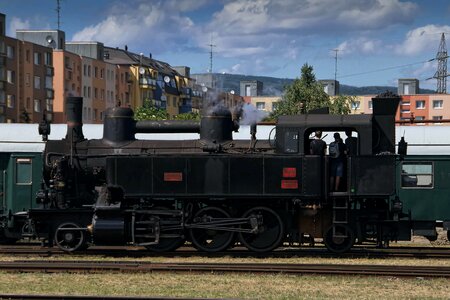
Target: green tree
[
  {"x": 303, "y": 95},
  {"x": 341, "y": 104},
  {"x": 188, "y": 116},
  {"x": 149, "y": 112},
  {"x": 306, "y": 94}
]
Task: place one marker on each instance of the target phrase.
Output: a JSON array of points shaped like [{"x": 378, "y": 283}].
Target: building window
[
  {"x": 370, "y": 104},
  {"x": 420, "y": 118},
  {"x": 48, "y": 58},
  {"x": 89, "y": 92},
  {"x": 10, "y": 101},
  {"x": 37, "y": 58},
  {"x": 101, "y": 73},
  {"x": 84, "y": 91},
  {"x": 417, "y": 175},
  {"x": 102, "y": 94},
  {"x": 27, "y": 79},
  {"x": 49, "y": 104},
  {"x": 27, "y": 56},
  {"x": 10, "y": 52},
  {"x": 248, "y": 90},
  {"x": 11, "y": 76},
  {"x": 95, "y": 114},
  {"x": 37, "y": 105},
  {"x": 95, "y": 93},
  {"x": 356, "y": 105},
  {"x": 260, "y": 105},
  {"x": 274, "y": 106},
  {"x": 89, "y": 71},
  {"x": 437, "y": 118},
  {"x": 37, "y": 82},
  {"x": 95, "y": 72},
  {"x": 84, "y": 70},
  {"x": 28, "y": 103},
  {"x": 406, "y": 89},
  {"x": 420, "y": 104},
  {"x": 48, "y": 82},
  {"x": 438, "y": 104}
]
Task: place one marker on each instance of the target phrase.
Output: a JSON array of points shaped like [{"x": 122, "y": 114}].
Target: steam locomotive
[{"x": 216, "y": 192}]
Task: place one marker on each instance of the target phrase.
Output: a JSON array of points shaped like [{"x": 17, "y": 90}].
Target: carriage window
[
  {"x": 23, "y": 171},
  {"x": 417, "y": 174},
  {"x": 291, "y": 142}
]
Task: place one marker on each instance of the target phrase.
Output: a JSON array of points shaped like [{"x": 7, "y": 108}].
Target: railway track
[
  {"x": 49, "y": 266},
  {"x": 416, "y": 252}
]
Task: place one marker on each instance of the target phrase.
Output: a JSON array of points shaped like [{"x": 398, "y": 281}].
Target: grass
[{"x": 225, "y": 286}]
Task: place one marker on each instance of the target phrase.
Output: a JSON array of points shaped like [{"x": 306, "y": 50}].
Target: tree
[
  {"x": 341, "y": 104},
  {"x": 188, "y": 116},
  {"x": 306, "y": 94},
  {"x": 150, "y": 112},
  {"x": 303, "y": 95}
]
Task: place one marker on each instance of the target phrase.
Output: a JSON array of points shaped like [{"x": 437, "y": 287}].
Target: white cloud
[
  {"x": 160, "y": 25},
  {"x": 15, "y": 24},
  {"x": 360, "y": 46},
  {"x": 422, "y": 39},
  {"x": 256, "y": 16}
]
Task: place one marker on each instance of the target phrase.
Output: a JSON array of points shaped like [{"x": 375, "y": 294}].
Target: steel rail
[
  {"x": 416, "y": 252},
  {"x": 49, "y": 266}
]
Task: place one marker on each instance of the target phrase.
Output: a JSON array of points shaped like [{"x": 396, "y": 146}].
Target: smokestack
[{"x": 74, "y": 106}]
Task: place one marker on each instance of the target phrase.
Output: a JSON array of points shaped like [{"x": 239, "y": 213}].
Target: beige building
[{"x": 264, "y": 103}]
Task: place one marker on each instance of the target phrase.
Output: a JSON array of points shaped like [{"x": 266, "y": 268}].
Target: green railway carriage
[
  {"x": 20, "y": 179},
  {"x": 424, "y": 188}
]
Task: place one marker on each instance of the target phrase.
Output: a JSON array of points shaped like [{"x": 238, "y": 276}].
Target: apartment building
[
  {"x": 264, "y": 103},
  {"x": 26, "y": 79}
]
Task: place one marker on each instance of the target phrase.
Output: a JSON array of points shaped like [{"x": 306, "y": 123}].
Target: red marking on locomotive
[
  {"x": 289, "y": 172},
  {"x": 173, "y": 176},
  {"x": 289, "y": 184}
]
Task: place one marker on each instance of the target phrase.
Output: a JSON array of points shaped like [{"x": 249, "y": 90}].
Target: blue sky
[{"x": 259, "y": 37}]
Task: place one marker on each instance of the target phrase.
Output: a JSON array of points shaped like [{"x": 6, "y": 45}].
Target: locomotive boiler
[{"x": 216, "y": 192}]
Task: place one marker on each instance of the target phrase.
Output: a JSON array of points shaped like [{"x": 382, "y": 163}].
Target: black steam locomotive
[{"x": 215, "y": 192}]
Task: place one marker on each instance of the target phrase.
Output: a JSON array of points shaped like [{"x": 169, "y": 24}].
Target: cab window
[
  {"x": 23, "y": 171},
  {"x": 417, "y": 175},
  {"x": 291, "y": 142}
]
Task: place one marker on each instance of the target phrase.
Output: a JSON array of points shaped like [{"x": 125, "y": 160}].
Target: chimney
[{"x": 74, "y": 116}]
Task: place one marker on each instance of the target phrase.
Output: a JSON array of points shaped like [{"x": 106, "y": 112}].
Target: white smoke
[{"x": 251, "y": 115}]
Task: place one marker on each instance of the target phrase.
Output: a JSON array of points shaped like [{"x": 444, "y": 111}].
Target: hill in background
[{"x": 273, "y": 86}]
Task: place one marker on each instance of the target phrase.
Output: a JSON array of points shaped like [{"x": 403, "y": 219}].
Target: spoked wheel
[
  {"x": 210, "y": 239},
  {"x": 341, "y": 240},
  {"x": 269, "y": 233},
  {"x": 167, "y": 244},
  {"x": 69, "y": 237}
]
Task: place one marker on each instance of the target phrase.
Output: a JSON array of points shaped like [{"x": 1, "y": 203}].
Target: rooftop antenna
[
  {"x": 211, "y": 45},
  {"x": 441, "y": 73},
  {"x": 58, "y": 13},
  {"x": 335, "y": 63}
]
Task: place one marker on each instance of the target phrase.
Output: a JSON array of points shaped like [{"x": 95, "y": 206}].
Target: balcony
[
  {"x": 196, "y": 93},
  {"x": 186, "y": 93},
  {"x": 49, "y": 71},
  {"x": 50, "y": 94},
  {"x": 147, "y": 82}
]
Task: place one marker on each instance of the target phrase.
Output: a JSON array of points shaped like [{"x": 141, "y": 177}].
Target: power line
[{"x": 388, "y": 68}]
